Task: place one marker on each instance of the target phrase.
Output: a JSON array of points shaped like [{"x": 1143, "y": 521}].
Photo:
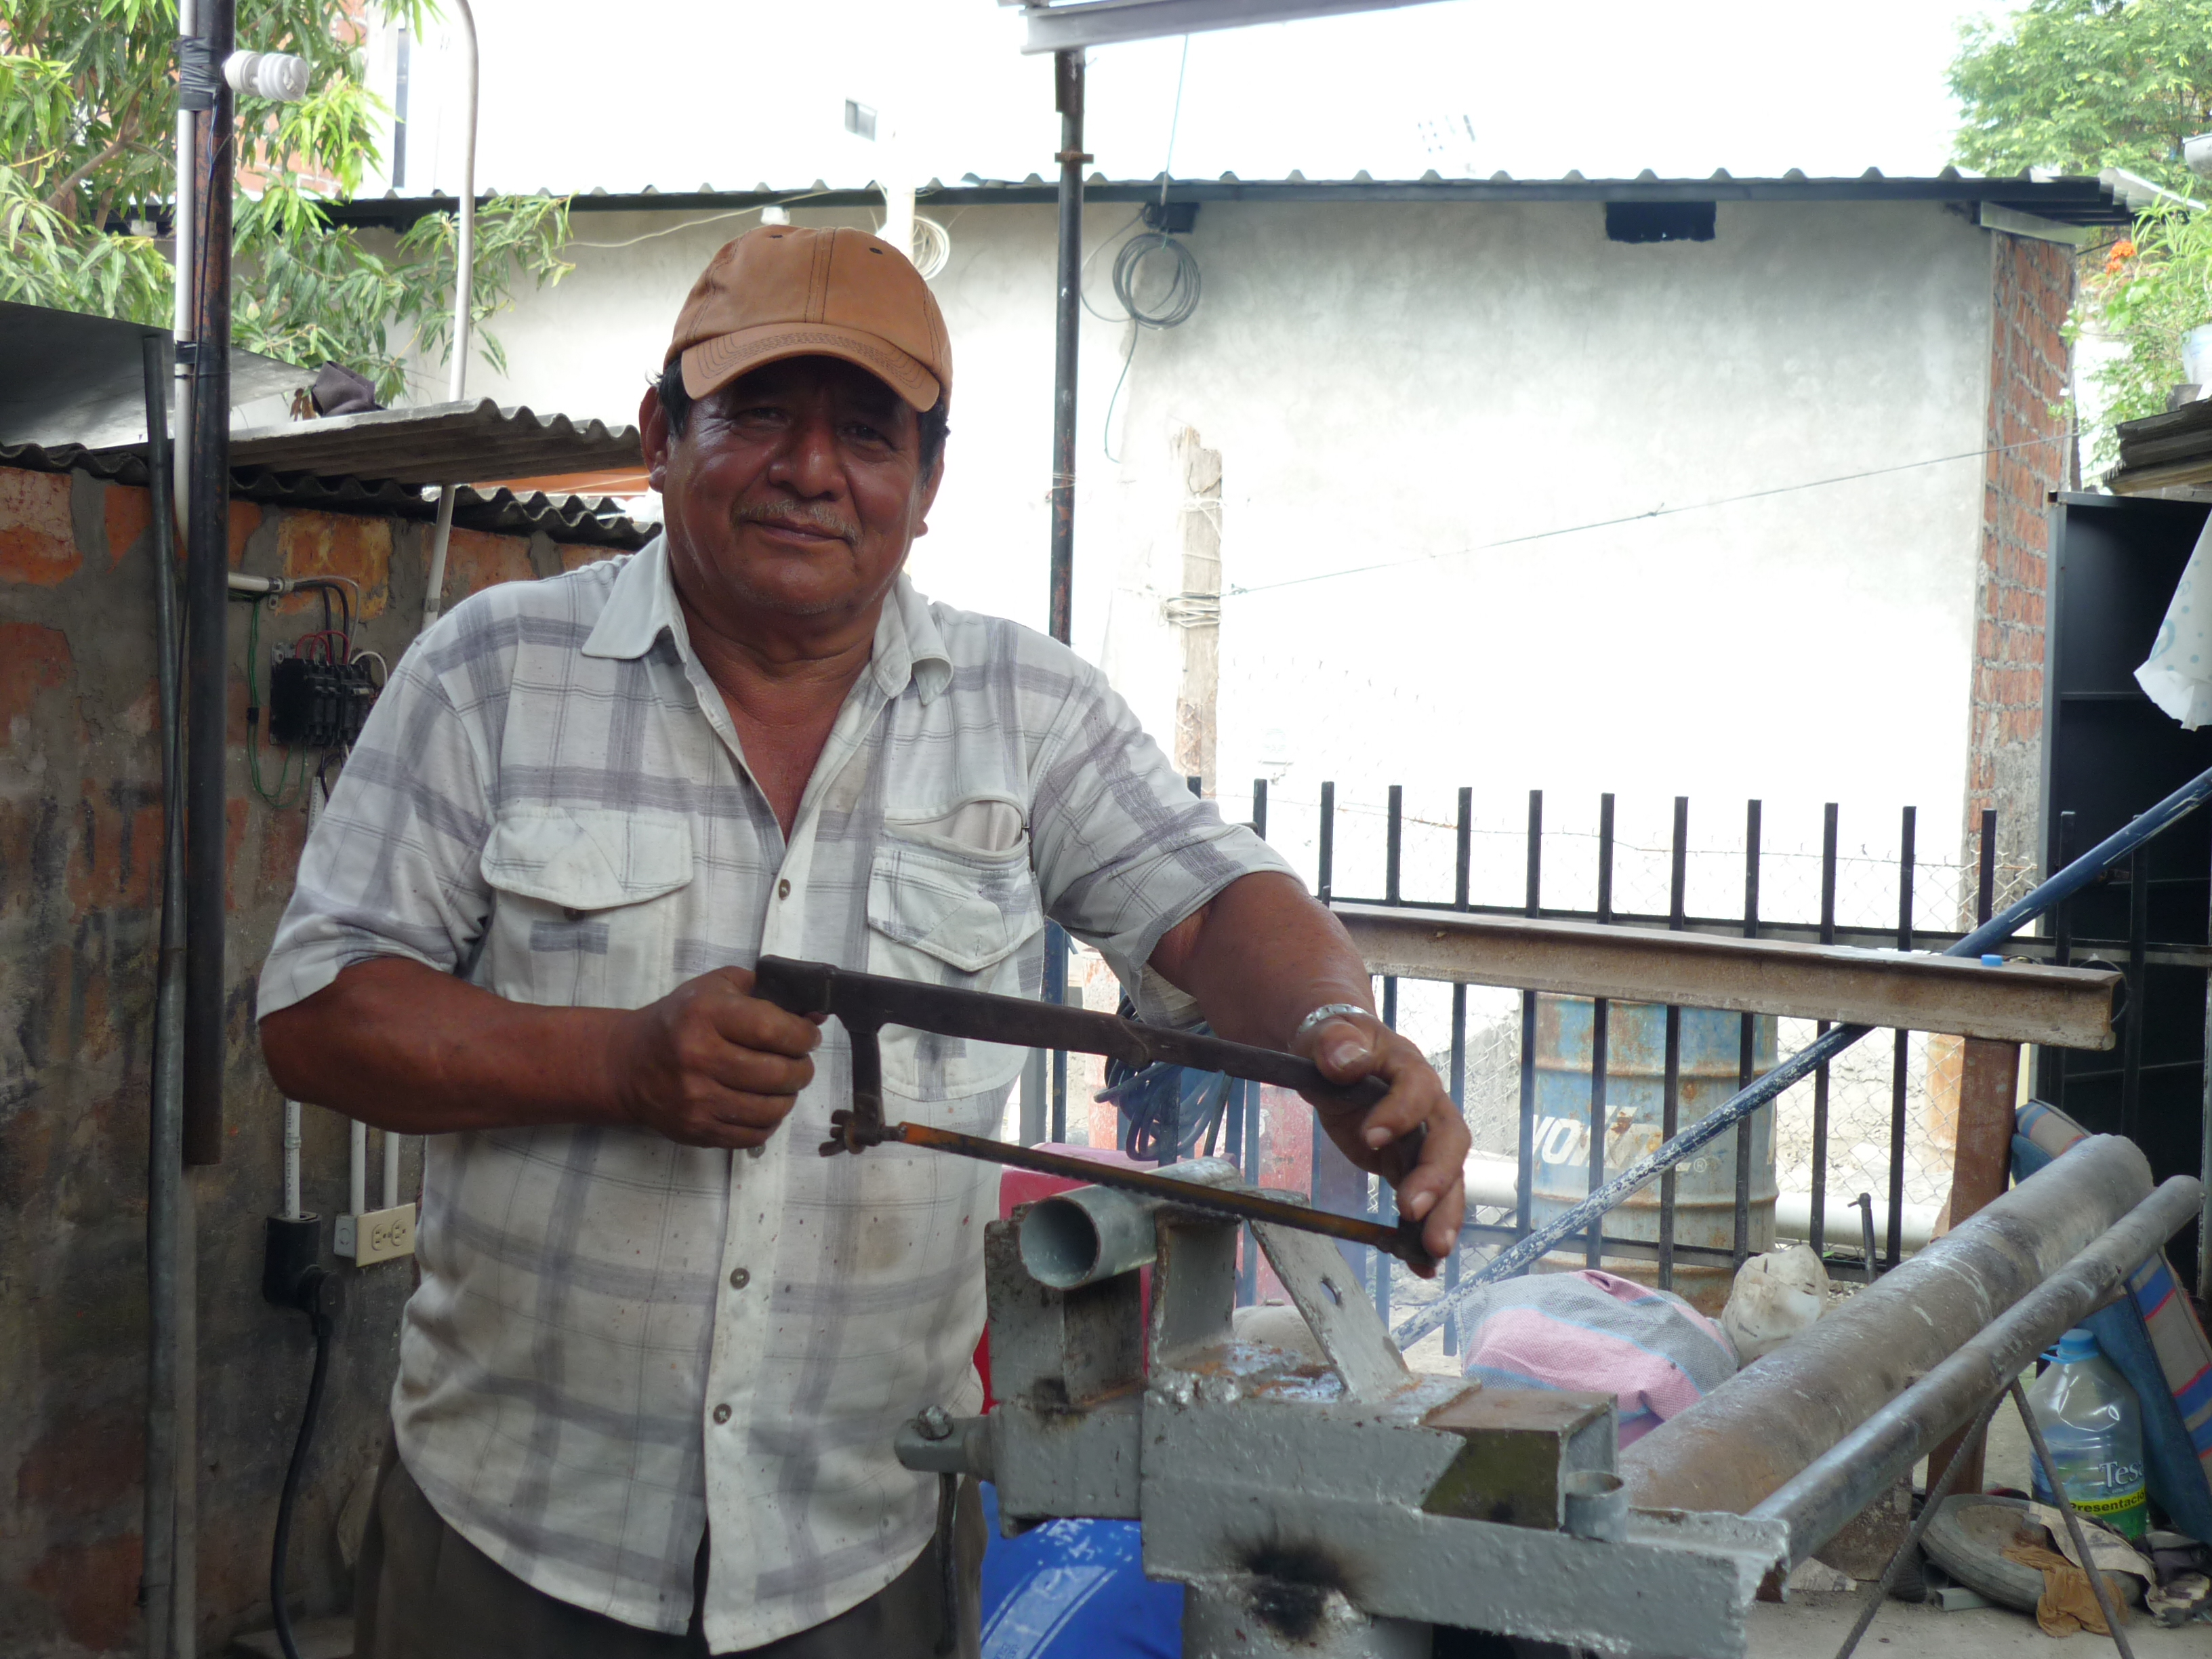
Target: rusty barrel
[{"x": 1636, "y": 1071}]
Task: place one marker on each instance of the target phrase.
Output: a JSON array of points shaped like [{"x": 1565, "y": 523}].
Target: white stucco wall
[{"x": 1388, "y": 382}]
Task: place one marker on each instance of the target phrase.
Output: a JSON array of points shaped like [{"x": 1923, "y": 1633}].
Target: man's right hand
[{"x": 710, "y": 1064}]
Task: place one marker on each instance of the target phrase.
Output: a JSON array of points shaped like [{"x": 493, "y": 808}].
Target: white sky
[{"x": 690, "y": 92}]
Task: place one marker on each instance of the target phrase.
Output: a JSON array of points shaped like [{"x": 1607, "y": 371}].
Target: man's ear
[
  {"x": 653, "y": 427},
  {"x": 929, "y": 494}
]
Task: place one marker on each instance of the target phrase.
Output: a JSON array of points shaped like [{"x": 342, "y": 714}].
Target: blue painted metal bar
[{"x": 1802, "y": 1064}]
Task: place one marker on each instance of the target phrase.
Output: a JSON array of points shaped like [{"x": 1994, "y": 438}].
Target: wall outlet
[{"x": 376, "y": 1236}]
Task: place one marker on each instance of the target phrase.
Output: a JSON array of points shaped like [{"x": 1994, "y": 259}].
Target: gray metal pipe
[
  {"x": 1088, "y": 1233},
  {"x": 164, "y": 1127},
  {"x": 1822, "y": 1498},
  {"x": 1748, "y": 1437}
]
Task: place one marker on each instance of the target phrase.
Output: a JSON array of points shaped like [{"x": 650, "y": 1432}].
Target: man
[{"x": 648, "y": 1385}]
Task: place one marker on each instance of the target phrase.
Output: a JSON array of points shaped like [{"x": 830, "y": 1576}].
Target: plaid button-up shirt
[{"x": 618, "y": 1340}]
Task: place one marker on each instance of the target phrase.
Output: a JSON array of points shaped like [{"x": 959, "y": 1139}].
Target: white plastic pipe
[
  {"x": 463, "y": 285},
  {"x": 391, "y": 1142},
  {"x": 291, "y": 1160},
  {"x": 356, "y": 1170}
]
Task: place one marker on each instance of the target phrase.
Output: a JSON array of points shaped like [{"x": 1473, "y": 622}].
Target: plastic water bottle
[{"x": 2094, "y": 1425}]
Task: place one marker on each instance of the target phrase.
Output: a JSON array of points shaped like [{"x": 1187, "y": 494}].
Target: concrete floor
[{"x": 1814, "y": 1627}]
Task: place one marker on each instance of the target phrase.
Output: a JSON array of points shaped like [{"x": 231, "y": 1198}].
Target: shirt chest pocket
[
  {"x": 587, "y": 911},
  {"x": 948, "y": 915}
]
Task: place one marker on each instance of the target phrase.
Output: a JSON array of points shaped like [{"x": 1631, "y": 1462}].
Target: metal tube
[
  {"x": 464, "y": 268},
  {"x": 1820, "y": 1498},
  {"x": 165, "y": 1124},
  {"x": 206, "y": 595},
  {"x": 1600, "y": 1033},
  {"x": 1752, "y": 1434},
  {"x": 1068, "y": 323},
  {"x": 184, "y": 1598},
  {"x": 1088, "y": 1233}
]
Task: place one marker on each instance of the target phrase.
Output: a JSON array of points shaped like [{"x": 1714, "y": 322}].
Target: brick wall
[
  {"x": 2032, "y": 291},
  {"x": 80, "y": 843}
]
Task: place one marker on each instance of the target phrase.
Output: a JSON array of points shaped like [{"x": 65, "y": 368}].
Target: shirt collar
[{"x": 907, "y": 646}]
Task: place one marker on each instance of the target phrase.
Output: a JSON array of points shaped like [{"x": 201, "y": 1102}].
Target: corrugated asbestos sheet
[
  {"x": 440, "y": 444},
  {"x": 572, "y": 518}
]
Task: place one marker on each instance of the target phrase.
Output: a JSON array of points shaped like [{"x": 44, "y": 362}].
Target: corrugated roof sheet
[
  {"x": 568, "y": 519},
  {"x": 2069, "y": 200},
  {"x": 440, "y": 444}
]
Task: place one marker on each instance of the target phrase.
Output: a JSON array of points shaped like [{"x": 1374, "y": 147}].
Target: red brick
[
  {"x": 38, "y": 541},
  {"x": 336, "y": 544},
  {"x": 476, "y": 560},
  {"x": 128, "y": 514},
  {"x": 32, "y": 659}
]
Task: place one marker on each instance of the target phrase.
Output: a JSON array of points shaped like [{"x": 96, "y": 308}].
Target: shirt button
[
  {"x": 721, "y": 1413},
  {"x": 739, "y": 1278},
  {"x": 783, "y": 888}
]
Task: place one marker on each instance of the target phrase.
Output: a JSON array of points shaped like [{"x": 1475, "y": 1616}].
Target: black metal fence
[{"x": 1917, "y": 893}]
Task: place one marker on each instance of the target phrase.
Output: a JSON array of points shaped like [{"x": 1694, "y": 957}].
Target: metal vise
[{"x": 1314, "y": 1510}]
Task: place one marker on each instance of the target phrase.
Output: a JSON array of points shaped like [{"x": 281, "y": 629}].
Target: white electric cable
[{"x": 464, "y": 284}]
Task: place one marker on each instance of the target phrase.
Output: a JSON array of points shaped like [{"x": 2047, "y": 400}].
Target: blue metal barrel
[{"x": 1636, "y": 1069}]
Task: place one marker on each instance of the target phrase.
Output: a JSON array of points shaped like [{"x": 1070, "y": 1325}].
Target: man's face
[{"x": 795, "y": 489}]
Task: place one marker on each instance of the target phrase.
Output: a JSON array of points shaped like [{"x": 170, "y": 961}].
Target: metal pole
[
  {"x": 1821, "y": 1497},
  {"x": 165, "y": 1137},
  {"x": 1747, "y": 1040},
  {"x": 1900, "y": 1054},
  {"x": 1525, "y": 1154},
  {"x": 465, "y": 268},
  {"x": 1600, "y": 1031},
  {"x": 207, "y": 569},
  {"x": 1819, "y": 1228},
  {"x": 1670, "y": 1085},
  {"x": 1067, "y": 99}
]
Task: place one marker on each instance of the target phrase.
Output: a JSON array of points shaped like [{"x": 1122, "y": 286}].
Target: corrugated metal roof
[
  {"x": 568, "y": 519},
  {"x": 440, "y": 444},
  {"x": 2069, "y": 200}
]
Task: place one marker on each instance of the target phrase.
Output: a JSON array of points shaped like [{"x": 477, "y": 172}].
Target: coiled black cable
[
  {"x": 319, "y": 1322},
  {"x": 1173, "y": 309}
]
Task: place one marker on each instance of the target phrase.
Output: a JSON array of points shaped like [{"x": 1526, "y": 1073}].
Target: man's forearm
[
  {"x": 403, "y": 1047},
  {"x": 1260, "y": 956}
]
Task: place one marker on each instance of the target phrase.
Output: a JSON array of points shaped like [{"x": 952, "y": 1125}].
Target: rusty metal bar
[
  {"x": 1817, "y": 1501},
  {"x": 2021, "y": 1002},
  {"x": 1402, "y": 1240}
]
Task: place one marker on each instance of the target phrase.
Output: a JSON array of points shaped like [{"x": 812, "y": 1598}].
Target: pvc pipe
[
  {"x": 1088, "y": 1234},
  {"x": 392, "y": 1145},
  {"x": 291, "y": 1211},
  {"x": 356, "y": 1170},
  {"x": 1822, "y": 1498},
  {"x": 1751, "y": 1435},
  {"x": 464, "y": 265}
]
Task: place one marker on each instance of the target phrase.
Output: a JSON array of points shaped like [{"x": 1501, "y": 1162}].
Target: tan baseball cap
[{"x": 787, "y": 291}]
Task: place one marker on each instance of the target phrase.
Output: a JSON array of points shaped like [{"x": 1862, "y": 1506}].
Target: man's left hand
[{"x": 1431, "y": 1188}]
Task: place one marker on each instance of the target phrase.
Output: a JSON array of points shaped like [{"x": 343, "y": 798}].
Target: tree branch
[{"x": 62, "y": 197}]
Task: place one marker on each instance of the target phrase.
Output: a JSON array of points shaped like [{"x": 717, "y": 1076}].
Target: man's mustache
[{"x": 807, "y": 515}]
